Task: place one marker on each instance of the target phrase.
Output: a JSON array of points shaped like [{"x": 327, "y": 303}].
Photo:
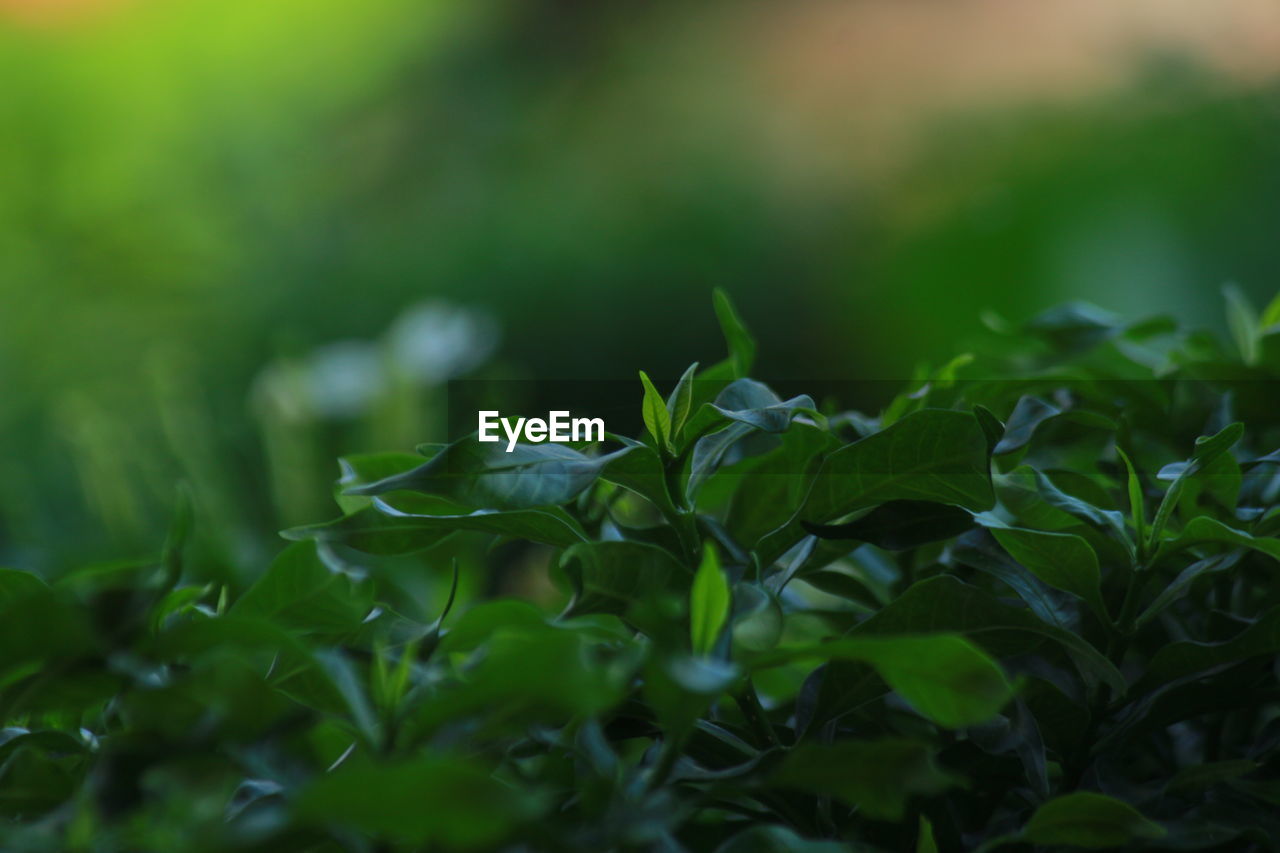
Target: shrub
[{"x": 1032, "y": 609}]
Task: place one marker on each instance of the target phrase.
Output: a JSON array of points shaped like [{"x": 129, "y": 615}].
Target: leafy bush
[{"x": 1034, "y": 610}]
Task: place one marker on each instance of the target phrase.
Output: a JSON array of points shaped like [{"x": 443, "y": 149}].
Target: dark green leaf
[
  {"x": 1086, "y": 819},
  {"x": 485, "y": 475},
  {"x": 930, "y": 455},
  {"x": 876, "y": 776},
  {"x": 438, "y": 799},
  {"x": 742, "y": 347}
]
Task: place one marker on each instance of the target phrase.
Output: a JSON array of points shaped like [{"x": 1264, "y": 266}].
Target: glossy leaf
[{"x": 656, "y": 417}]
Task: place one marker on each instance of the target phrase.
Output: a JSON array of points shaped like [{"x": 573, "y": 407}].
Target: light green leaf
[
  {"x": 943, "y": 603},
  {"x": 680, "y": 403},
  {"x": 708, "y": 602},
  {"x": 943, "y": 676},
  {"x": 1271, "y": 314},
  {"x": 925, "y": 842},
  {"x": 656, "y": 417}
]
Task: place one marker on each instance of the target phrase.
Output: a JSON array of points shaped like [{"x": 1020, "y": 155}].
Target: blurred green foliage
[{"x": 193, "y": 192}]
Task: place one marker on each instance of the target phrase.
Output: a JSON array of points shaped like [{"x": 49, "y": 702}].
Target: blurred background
[{"x": 240, "y": 238}]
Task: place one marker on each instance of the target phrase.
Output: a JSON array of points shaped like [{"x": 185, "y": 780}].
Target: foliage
[{"x": 1031, "y": 609}]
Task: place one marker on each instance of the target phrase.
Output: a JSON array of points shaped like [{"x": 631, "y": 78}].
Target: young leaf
[
  {"x": 1137, "y": 503},
  {"x": 925, "y": 842},
  {"x": 708, "y": 602},
  {"x": 742, "y": 347},
  {"x": 1271, "y": 314},
  {"x": 1207, "y": 449},
  {"x": 681, "y": 401},
  {"x": 656, "y": 417}
]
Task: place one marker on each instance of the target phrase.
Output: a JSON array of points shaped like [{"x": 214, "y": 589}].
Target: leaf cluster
[{"x": 1031, "y": 609}]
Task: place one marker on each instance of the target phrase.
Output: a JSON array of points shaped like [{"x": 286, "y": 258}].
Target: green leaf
[
  {"x": 1207, "y": 449},
  {"x": 1242, "y": 321},
  {"x": 769, "y": 492},
  {"x": 486, "y": 476},
  {"x": 899, "y": 525},
  {"x": 680, "y": 403},
  {"x": 943, "y": 603},
  {"x": 943, "y": 676},
  {"x": 1028, "y": 414},
  {"x": 300, "y": 591},
  {"x": 642, "y": 471},
  {"x": 1203, "y": 530},
  {"x": 925, "y": 842},
  {"x": 1137, "y": 503},
  {"x": 656, "y": 417},
  {"x": 1188, "y": 657},
  {"x": 1086, "y": 819},
  {"x": 747, "y": 406},
  {"x": 1271, "y": 314},
  {"x": 773, "y": 838},
  {"x": 16, "y": 585},
  {"x": 757, "y": 618},
  {"x": 930, "y": 455},
  {"x": 1075, "y": 326},
  {"x": 1062, "y": 560},
  {"x": 434, "y": 799},
  {"x": 877, "y": 776},
  {"x": 364, "y": 469},
  {"x": 402, "y": 523},
  {"x": 611, "y": 577},
  {"x": 529, "y": 674},
  {"x": 708, "y": 602},
  {"x": 372, "y": 531},
  {"x": 1110, "y": 522},
  {"x": 1182, "y": 583},
  {"x": 742, "y": 347}
]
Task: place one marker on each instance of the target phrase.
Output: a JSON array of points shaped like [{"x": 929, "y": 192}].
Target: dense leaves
[{"x": 1038, "y": 611}]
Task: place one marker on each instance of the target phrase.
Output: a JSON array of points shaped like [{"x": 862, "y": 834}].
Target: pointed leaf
[{"x": 708, "y": 602}]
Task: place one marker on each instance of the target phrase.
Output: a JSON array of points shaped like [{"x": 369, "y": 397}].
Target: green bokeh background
[{"x": 196, "y": 196}]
